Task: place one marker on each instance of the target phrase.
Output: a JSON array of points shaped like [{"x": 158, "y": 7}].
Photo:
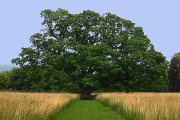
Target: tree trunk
[{"x": 85, "y": 95}]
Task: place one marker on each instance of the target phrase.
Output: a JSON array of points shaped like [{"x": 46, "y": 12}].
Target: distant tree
[
  {"x": 87, "y": 52},
  {"x": 3, "y": 80},
  {"x": 174, "y": 73},
  {"x": 17, "y": 80}
]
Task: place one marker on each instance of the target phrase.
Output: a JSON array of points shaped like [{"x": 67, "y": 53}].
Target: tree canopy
[
  {"x": 89, "y": 52},
  {"x": 3, "y": 80},
  {"x": 174, "y": 73}
]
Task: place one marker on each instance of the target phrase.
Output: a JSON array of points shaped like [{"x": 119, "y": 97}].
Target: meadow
[
  {"x": 143, "y": 106},
  {"x": 32, "y": 106},
  {"x": 128, "y": 106}
]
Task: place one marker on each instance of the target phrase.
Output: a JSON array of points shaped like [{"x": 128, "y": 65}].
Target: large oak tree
[{"x": 87, "y": 52}]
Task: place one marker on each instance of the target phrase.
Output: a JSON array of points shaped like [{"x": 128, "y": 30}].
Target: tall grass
[
  {"x": 144, "y": 106},
  {"x": 32, "y": 106}
]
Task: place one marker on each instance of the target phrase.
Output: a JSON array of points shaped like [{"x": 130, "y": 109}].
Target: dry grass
[
  {"x": 32, "y": 106},
  {"x": 146, "y": 106}
]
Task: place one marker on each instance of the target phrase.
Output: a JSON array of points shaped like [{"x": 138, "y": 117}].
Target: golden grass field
[
  {"x": 145, "y": 106},
  {"x": 32, "y": 106},
  {"x": 135, "y": 106}
]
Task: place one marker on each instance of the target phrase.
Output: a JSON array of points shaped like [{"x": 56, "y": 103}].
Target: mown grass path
[{"x": 87, "y": 110}]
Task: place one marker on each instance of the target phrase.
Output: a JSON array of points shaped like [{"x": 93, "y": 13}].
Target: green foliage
[
  {"x": 3, "y": 80},
  {"x": 177, "y": 56},
  {"x": 174, "y": 74},
  {"x": 89, "y": 52}
]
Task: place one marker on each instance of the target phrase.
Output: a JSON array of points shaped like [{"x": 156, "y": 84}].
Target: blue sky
[{"x": 160, "y": 19}]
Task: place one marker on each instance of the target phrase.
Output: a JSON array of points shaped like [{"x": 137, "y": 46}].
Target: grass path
[{"x": 87, "y": 110}]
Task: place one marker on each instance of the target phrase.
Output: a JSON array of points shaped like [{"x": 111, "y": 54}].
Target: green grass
[
  {"x": 132, "y": 114},
  {"x": 87, "y": 110}
]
